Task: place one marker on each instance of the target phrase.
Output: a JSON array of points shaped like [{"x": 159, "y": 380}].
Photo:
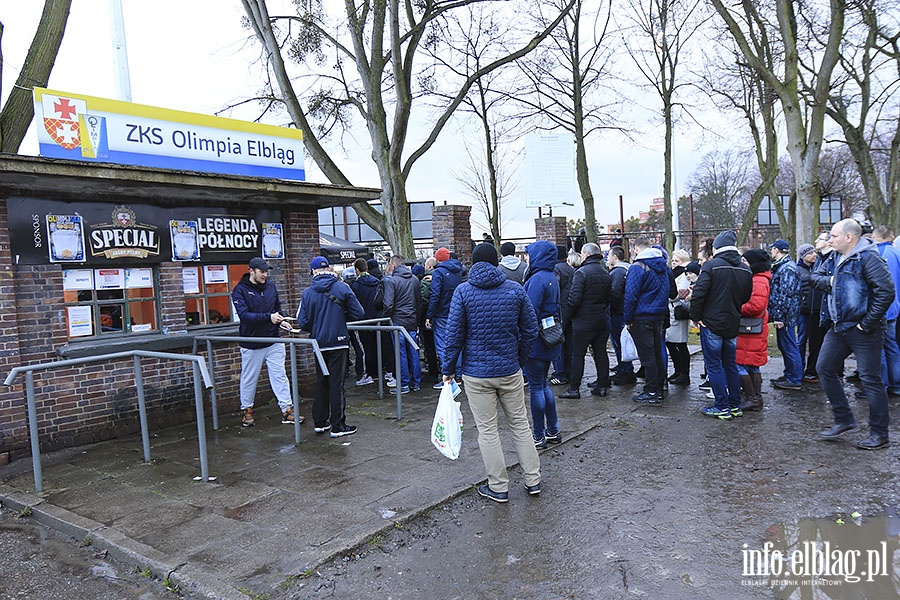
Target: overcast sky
[{"x": 194, "y": 56}]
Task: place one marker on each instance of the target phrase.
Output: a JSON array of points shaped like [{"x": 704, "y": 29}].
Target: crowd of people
[{"x": 499, "y": 326}]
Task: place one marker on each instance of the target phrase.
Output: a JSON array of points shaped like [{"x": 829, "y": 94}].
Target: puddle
[{"x": 846, "y": 555}]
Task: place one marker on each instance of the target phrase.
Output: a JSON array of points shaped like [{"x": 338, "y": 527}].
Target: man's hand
[
  {"x": 699, "y": 324},
  {"x": 778, "y": 324},
  {"x": 628, "y": 326},
  {"x": 449, "y": 378},
  {"x": 427, "y": 323},
  {"x": 276, "y": 318}
]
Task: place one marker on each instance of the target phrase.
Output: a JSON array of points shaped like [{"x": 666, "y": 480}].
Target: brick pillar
[
  {"x": 302, "y": 233},
  {"x": 453, "y": 230},
  {"x": 552, "y": 229}
]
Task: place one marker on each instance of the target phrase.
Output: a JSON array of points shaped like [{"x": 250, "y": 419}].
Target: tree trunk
[
  {"x": 668, "y": 242},
  {"x": 18, "y": 111},
  {"x": 584, "y": 187}
]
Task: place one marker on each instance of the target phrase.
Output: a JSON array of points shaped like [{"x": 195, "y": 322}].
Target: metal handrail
[
  {"x": 396, "y": 330},
  {"x": 199, "y": 369},
  {"x": 295, "y": 394}
]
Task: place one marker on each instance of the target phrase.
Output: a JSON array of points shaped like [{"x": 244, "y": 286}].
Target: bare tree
[
  {"x": 662, "y": 31},
  {"x": 721, "y": 187},
  {"x": 567, "y": 77},
  {"x": 864, "y": 101},
  {"x": 803, "y": 86},
  {"x": 488, "y": 179},
  {"x": 17, "y": 113},
  {"x": 379, "y": 41}
]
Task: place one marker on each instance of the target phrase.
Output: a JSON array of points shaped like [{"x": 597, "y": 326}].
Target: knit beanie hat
[
  {"x": 693, "y": 267},
  {"x": 804, "y": 249},
  {"x": 759, "y": 260},
  {"x": 508, "y": 249},
  {"x": 442, "y": 254},
  {"x": 561, "y": 252},
  {"x": 485, "y": 253},
  {"x": 726, "y": 238}
]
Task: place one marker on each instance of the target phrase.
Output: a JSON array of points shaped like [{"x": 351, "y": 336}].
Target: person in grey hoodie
[
  {"x": 510, "y": 265},
  {"x": 402, "y": 294}
]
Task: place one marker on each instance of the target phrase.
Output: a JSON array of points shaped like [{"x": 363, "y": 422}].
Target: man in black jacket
[
  {"x": 259, "y": 309},
  {"x": 587, "y": 304},
  {"x": 724, "y": 285},
  {"x": 401, "y": 303},
  {"x": 618, "y": 270},
  {"x": 562, "y": 357}
]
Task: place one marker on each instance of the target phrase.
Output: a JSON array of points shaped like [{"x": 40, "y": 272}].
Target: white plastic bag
[
  {"x": 629, "y": 350},
  {"x": 446, "y": 429}
]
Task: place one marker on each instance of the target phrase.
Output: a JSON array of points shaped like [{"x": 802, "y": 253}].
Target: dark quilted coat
[
  {"x": 491, "y": 322},
  {"x": 753, "y": 348}
]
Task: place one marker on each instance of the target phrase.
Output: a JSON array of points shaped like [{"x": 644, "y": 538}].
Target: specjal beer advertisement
[{"x": 46, "y": 231}]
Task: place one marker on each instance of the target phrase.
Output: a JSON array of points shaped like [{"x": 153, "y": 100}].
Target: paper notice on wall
[
  {"x": 215, "y": 274},
  {"x": 190, "y": 278},
  {"x": 138, "y": 278},
  {"x": 109, "y": 279},
  {"x": 78, "y": 279},
  {"x": 80, "y": 321}
]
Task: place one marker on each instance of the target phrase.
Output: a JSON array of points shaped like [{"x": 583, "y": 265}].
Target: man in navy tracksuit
[
  {"x": 259, "y": 309},
  {"x": 325, "y": 307}
]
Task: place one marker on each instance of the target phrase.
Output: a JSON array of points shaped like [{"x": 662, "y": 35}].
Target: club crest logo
[
  {"x": 123, "y": 216},
  {"x": 61, "y": 122}
]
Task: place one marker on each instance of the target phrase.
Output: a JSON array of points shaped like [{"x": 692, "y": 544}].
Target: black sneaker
[
  {"x": 705, "y": 385},
  {"x": 322, "y": 429},
  {"x": 836, "y": 430},
  {"x": 347, "y": 430},
  {"x": 854, "y": 376},
  {"x": 624, "y": 379},
  {"x": 487, "y": 492},
  {"x": 653, "y": 398},
  {"x": 554, "y": 437},
  {"x": 533, "y": 490},
  {"x": 541, "y": 443},
  {"x": 873, "y": 442},
  {"x": 787, "y": 385}
]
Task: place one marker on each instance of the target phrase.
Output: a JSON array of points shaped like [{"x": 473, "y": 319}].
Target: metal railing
[
  {"x": 396, "y": 331},
  {"x": 293, "y": 342},
  {"x": 199, "y": 369}
]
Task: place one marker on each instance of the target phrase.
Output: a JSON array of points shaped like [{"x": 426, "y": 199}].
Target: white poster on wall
[
  {"x": 190, "y": 278},
  {"x": 78, "y": 279},
  {"x": 80, "y": 321},
  {"x": 215, "y": 274},
  {"x": 138, "y": 278},
  {"x": 549, "y": 169},
  {"x": 109, "y": 279}
]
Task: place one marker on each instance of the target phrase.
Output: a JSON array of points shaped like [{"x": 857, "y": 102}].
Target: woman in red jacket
[{"x": 753, "y": 348}]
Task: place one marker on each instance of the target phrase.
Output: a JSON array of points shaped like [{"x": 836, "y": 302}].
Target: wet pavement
[{"x": 650, "y": 501}]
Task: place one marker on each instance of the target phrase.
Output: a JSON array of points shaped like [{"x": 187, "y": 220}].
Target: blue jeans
[
  {"x": 410, "y": 365},
  {"x": 543, "y": 403},
  {"x": 721, "y": 368},
  {"x": 790, "y": 352},
  {"x": 616, "y": 325},
  {"x": 803, "y": 335},
  {"x": 439, "y": 326},
  {"x": 890, "y": 359},
  {"x": 747, "y": 369},
  {"x": 868, "y": 349}
]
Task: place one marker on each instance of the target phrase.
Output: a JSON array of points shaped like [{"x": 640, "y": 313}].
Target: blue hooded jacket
[
  {"x": 254, "y": 305},
  {"x": 366, "y": 288},
  {"x": 325, "y": 308},
  {"x": 647, "y": 288},
  {"x": 445, "y": 278},
  {"x": 892, "y": 257},
  {"x": 491, "y": 322},
  {"x": 542, "y": 289}
]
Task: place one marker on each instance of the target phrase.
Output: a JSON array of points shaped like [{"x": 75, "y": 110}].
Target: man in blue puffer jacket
[
  {"x": 446, "y": 277},
  {"x": 493, "y": 325},
  {"x": 325, "y": 307},
  {"x": 646, "y": 309}
]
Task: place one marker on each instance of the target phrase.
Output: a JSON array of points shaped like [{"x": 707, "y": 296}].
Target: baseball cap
[
  {"x": 258, "y": 263},
  {"x": 319, "y": 262},
  {"x": 782, "y": 245}
]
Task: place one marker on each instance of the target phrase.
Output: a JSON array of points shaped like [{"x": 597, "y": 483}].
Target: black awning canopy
[{"x": 337, "y": 250}]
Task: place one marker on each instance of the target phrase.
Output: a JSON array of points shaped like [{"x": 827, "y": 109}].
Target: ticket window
[
  {"x": 101, "y": 302},
  {"x": 207, "y": 291}
]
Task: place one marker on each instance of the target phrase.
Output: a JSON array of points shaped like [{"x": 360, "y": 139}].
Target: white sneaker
[
  {"x": 365, "y": 380},
  {"x": 710, "y": 395},
  {"x": 392, "y": 383}
]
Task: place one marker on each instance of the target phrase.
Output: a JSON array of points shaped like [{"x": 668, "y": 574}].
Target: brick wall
[
  {"x": 452, "y": 229},
  {"x": 98, "y": 401},
  {"x": 552, "y": 229}
]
